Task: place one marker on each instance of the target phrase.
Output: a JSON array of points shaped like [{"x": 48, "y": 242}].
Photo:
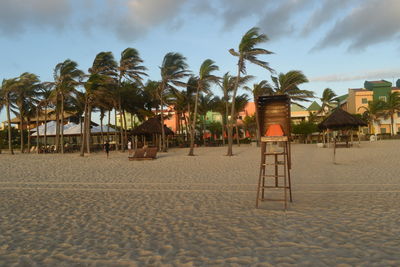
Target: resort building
[{"x": 356, "y": 102}]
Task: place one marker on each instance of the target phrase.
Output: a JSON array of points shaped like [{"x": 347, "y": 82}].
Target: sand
[{"x": 64, "y": 210}]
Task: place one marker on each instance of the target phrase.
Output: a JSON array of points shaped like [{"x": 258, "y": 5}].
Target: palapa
[
  {"x": 151, "y": 126},
  {"x": 340, "y": 119}
]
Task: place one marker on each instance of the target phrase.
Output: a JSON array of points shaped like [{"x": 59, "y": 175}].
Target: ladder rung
[
  {"x": 274, "y": 153},
  {"x": 272, "y": 186},
  {"x": 272, "y": 175},
  {"x": 273, "y": 164}
]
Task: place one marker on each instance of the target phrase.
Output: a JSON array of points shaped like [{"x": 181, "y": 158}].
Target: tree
[
  {"x": 173, "y": 69},
  {"x": 247, "y": 51},
  {"x": 66, "y": 77},
  {"x": 129, "y": 68},
  {"x": 328, "y": 101},
  {"x": 204, "y": 82},
  {"x": 6, "y": 93},
  {"x": 24, "y": 91},
  {"x": 259, "y": 89},
  {"x": 392, "y": 105},
  {"x": 375, "y": 109},
  {"x": 288, "y": 84}
]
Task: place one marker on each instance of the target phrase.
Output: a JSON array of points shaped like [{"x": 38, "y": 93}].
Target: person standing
[
  {"x": 107, "y": 148},
  {"x": 129, "y": 147}
]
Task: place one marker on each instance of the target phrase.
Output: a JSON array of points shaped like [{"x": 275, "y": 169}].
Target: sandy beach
[{"x": 64, "y": 210}]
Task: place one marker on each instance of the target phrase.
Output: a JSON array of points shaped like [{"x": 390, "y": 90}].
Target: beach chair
[{"x": 144, "y": 154}]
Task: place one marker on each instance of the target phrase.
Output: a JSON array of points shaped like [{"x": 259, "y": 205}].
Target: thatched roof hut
[
  {"x": 340, "y": 119},
  {"x": 150, "y": 127}
]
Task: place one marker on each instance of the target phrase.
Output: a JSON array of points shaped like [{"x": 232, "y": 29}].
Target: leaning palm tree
[
  {"x": 372, "y": 113},
  {"x": 247, "y": 52},
  {"x": 66, "y": 77},
  {"x": 288, "y": 84},
  {"x": 173, "y": 69},
  {"x": 259, "y": 89},
  {"x": 328, "y": 101},
  {"x": 130, "y": 68},
  {"x": 6, "y": 92},
  {"x": 392, "y": 105},
  {"x": 25, "y": 89},
  {"x": 204, "y": 81}
]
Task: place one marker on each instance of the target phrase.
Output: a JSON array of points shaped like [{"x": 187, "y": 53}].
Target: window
[
  {"x": 383, "y": 130},
  {"x": 398, "y": 114},
  {"x": 382, "y": 98},
  {"x": 364, "y": 100}
]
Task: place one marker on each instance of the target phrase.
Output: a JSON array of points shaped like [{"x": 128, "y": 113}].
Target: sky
[{"x": 337, "y": 44}]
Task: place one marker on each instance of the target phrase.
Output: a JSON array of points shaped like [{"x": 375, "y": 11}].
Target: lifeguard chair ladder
[{"x": 280, "y": 176}]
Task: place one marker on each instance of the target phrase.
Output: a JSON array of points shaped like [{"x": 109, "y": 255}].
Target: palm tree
[
  {"x": 206, "y": 103},
  {"x": 391, "y": 107},
  {"x": 7, "y": 88},
  {"x": 328, "y": 101},
  {"x": 258, "y": 89},
  {"x": 288, "y": 84},
  {"x": 204, "y": 81},
  {"x": 173, "y": 69},
  {"x": 129, "y": 68},
  {"x": 375, "y": 109},
  {"x": 94, "y": 87},
  {"x": 24, "y": 90},
  {"x": 66, "y": 77},
  {"x": 45, "y": 95},
  {"x": 105, "y": 64},
  {"x": 247, "y": 52}
]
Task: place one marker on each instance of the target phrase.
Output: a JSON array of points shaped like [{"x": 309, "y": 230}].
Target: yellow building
[
  {"x": 357, "y": 103},
  {"x": 131, "y": 120}
]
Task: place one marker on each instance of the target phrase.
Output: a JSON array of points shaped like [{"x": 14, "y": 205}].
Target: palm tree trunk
[
  {"x": 88, "y": 131},
  {"x": 37, "y": 130},
  {"x": 83, "y": 140},
  {"x": 116, "y": 132},
  {"x": 164, "y": 147},
  {"x": 230, "y": 128},
  {"x": 101, "y": 127},
  {"x": 223, "y": 129},
  {"x": 57, "y": 143},
  {"x": 193, "y": 128},
  {"x": 392, "y": 123},
  {"x": 237, "y": 135},
  {"x": 108, "y": 125},
  {"x": 28, "y": 126},
  {"x": 9, "y": 125},
  {"x": 21, "y": 125},
  {"x": 45, "y": 128},
  {"x": 62, "y": 124},
  {"x": 125, "y": 128},
  {"x": 122, "y": 125}
]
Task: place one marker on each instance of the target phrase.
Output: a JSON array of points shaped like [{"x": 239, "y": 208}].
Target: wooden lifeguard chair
[{"x": 274, "y": 122}]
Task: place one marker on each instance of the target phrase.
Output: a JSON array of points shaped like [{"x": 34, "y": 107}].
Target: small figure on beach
[
  {"x": 130, "y": 147},
  {"x": 107, "y": 148}
]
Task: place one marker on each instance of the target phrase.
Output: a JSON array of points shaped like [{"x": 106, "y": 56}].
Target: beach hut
[
  {"x": 340, "y": 120},
  {"x": 151, "y": 129}
]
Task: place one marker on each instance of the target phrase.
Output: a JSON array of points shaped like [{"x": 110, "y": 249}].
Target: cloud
[
  {"x": 362, "y": 75},
  {"x": 354, "y": 23},
  {"x": 18, "y": 15},
  {"x": 370, "y": 23}
]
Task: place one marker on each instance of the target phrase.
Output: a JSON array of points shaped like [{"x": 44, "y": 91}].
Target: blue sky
[{"x": 336, "y": 43}]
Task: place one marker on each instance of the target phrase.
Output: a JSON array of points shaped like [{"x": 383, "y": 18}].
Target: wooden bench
[{"x": 149, "y": 153}]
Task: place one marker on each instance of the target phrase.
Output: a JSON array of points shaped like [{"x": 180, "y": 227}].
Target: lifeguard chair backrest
[{"x": 274, "y": 110}]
